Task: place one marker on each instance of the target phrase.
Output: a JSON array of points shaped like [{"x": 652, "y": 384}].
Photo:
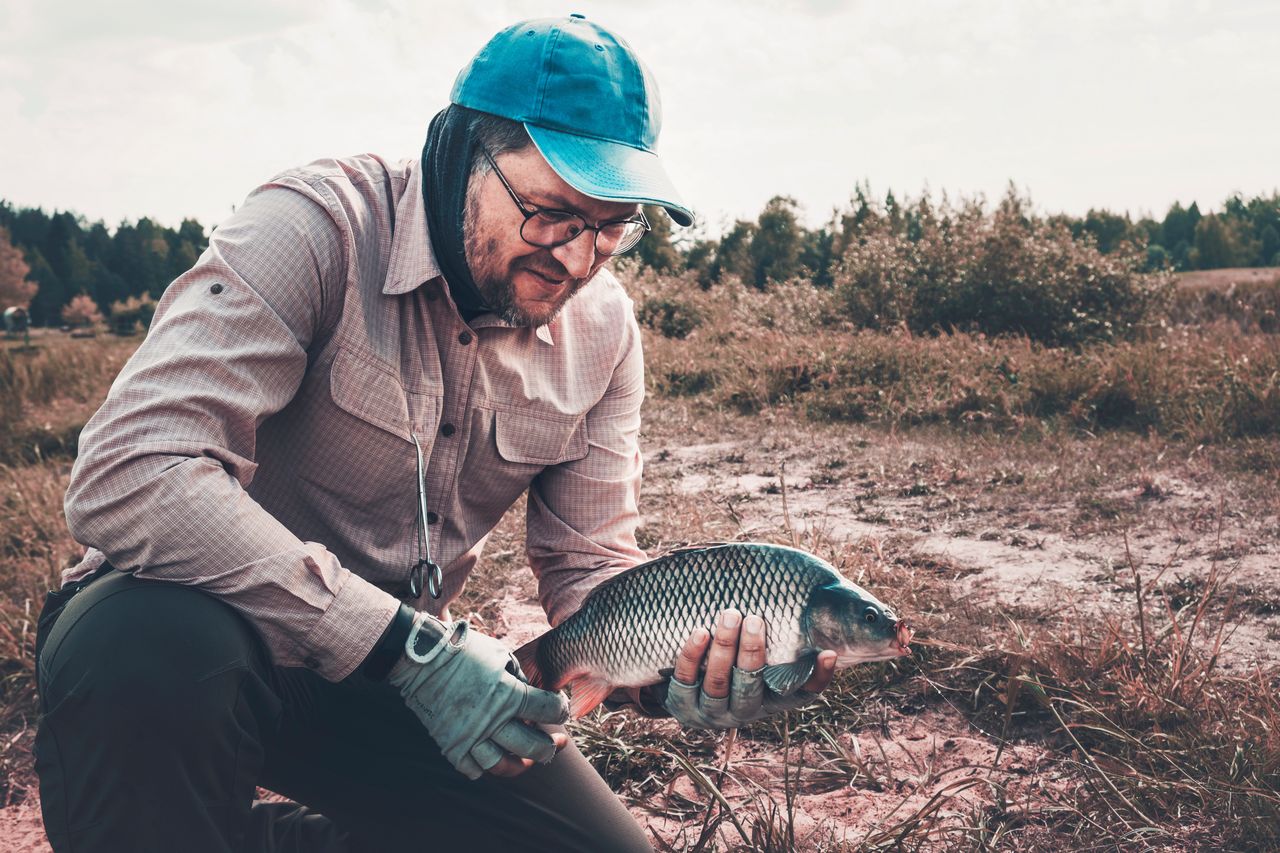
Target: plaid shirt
[{"x": 259, "y": 444}]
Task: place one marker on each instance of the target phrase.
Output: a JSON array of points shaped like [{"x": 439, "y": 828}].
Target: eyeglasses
[{"x": 547, "y": 228}]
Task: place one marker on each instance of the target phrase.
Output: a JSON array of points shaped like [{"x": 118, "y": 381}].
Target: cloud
[{"x": 170, "y": 109}]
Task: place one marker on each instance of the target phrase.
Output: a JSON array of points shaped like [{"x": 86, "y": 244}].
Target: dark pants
[{"x": 161, "y": 712}]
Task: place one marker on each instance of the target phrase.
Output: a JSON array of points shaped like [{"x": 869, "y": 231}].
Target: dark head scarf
[{"x": 446, "y": 166}]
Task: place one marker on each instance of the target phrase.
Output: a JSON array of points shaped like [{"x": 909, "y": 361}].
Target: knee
[{"x": 142, "y": 652}]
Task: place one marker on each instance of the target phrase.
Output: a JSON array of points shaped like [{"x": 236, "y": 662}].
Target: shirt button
[
  {"x": 216, "y": 289},
  {"x": 432, "y": 518},
  {"x": 311, "y": 663},
  {"x": 464, "y": 338},
  {"x": 447, "y": 430}
]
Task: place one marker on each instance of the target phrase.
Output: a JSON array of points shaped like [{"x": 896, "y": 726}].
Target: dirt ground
[{"x": 1045, "y": 530}]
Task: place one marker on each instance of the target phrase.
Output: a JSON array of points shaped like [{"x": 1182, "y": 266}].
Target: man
[{"x": 295, "y": 473}]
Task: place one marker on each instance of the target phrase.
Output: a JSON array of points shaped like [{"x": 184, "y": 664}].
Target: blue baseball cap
[{"x": 587, "y": 101}]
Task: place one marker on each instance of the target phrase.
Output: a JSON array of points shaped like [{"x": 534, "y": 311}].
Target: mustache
[{"x": 548, "y": 266}]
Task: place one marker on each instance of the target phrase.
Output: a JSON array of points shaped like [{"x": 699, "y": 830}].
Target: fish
[{"x": 630, "y": 628}]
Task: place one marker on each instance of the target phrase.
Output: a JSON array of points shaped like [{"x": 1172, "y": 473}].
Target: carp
[{"x": 630, "y": 628}]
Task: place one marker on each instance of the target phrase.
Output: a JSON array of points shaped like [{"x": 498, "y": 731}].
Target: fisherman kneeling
[{"x": 297, "y": 470}]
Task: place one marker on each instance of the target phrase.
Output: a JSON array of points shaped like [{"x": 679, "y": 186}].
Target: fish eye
[{"x": 870, "y": 615}]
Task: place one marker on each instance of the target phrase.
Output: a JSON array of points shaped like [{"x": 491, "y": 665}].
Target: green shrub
[
  {"x": 130, "y": 313},
  {"x": 670, "y": 317},
  {"x": 1003, "y": 273}
]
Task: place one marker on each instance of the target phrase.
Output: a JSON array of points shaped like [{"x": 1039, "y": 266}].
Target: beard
[
  {"x": 495, "y": 278},
  {"x": 497, "y": 286}
]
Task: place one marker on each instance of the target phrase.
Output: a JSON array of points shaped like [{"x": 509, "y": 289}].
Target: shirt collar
[
  {"x": 412, "y": 259},
  {"x": 542, "y": 333}
]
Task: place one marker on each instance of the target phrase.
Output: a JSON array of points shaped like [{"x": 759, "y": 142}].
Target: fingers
[
  {"x": 747, "y": 693},
  {"x": 487, "y": 754},
  {"x": 510, "y": 766},
  {"x": 690, "y": 657},
  {"x": 523, "y": 741},
  {"x": 823, "y": 671},
  {"x": 723, "y": 652},
  {"x": 543, "y": 706},
  {"x": 468, "y": 767},
  {"x": 751, "y": 647}
]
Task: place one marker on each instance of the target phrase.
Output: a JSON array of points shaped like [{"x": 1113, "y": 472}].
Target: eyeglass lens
[{"x": 550, "y": 228}]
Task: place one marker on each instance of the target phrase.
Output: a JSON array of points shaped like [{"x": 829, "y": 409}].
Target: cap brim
[{"x": 609, "y": 171}]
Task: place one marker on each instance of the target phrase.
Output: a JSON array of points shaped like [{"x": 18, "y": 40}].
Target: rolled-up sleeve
[
  {"x": 583, "y": 513},
  {"x": 160, "y": 482}
]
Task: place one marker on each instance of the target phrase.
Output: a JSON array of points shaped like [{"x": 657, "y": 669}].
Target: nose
[{"x": 578, "y": 255}]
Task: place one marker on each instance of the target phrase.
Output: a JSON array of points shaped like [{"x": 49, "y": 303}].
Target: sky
[{"x": 174, "y": 109}]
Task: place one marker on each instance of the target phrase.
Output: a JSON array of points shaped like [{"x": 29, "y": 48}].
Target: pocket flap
[
  {"x": 539, "y": 440},
  {"x": 369, "y": 392}
]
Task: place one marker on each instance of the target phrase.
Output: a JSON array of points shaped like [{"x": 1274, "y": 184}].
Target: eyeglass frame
[{"x": 531, "y": 210}]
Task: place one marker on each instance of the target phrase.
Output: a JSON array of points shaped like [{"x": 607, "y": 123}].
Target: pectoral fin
[
  {"x": 786, "y": 678},
  {"x": 585, "y": 693}
]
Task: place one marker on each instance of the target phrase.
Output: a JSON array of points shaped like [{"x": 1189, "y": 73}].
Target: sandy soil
[
  {"x": 1038, "y": 554},
  {"x": 988, "y": 520}
]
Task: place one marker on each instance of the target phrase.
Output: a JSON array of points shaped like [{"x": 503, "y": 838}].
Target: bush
[
  {"x": 81, "y": 312},
  {"x": 1004, "y": 273},
  {"x": 127, "y": 315},
  {"x": 671, "y": 317}
]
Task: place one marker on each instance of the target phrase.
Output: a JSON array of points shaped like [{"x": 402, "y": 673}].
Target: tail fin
[{"x": 527, "y": 656}]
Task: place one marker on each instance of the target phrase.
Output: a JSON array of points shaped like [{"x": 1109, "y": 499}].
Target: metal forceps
[{"x": 435, "y": 577}]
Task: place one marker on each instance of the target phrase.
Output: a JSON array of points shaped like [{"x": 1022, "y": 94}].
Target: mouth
[
  {"x": 903, "y": 638},
  {"x": 547, "y": 282}
]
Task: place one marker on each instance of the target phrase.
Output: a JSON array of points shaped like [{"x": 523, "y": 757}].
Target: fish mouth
[{"x": 902, "y": 639}]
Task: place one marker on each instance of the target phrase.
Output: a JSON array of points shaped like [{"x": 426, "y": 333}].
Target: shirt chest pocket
[
  {"x": 533, "y": 440},
  {"x": 373, "y": 421}
]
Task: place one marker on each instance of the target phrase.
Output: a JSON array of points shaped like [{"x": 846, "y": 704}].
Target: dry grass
[
  {"x": 1247, "y": 298},
  {"x": 1157, "y": 746},
  {"x": 752, "y": 352},
  {"x": 34, "y": 547},
  {"x": 49, "y": 390},
  {"x": 1160, "y": 724},
  {"x": 1153, "y": 744}
]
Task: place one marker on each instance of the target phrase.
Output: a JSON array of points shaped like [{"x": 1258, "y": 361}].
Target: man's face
[{"x": 524, "y": 284}]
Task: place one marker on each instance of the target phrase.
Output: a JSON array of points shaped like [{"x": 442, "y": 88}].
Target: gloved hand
[
  {"x": 471, "y": 696},
  {"x": 748, "y": 700},
  {"x": 732, "y": 691}
]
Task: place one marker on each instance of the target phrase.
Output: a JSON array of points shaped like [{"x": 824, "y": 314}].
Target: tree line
[
  {"x": 64, "y": 257},
  {"x": 776, "y": 247}
]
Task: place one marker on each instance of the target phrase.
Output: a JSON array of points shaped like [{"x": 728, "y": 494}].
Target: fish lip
[{"x": 903, "y": 637}]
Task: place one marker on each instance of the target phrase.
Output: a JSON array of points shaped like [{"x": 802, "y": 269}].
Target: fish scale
[
  {"x": 630, "y": 629},
  {"x": 637, "y": 628}
]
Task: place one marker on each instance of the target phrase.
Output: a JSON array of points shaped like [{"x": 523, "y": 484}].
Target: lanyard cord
[{"x": 435, "y": 578}]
